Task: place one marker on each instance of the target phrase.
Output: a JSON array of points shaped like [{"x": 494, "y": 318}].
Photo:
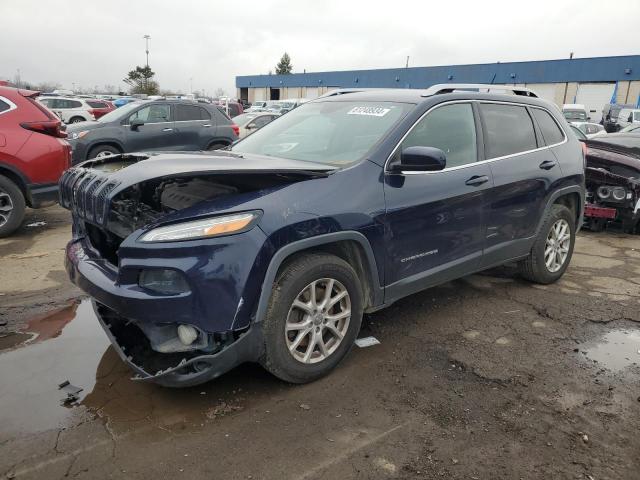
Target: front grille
[
  {"x": 86, "y": 193},
  {"x": 106, "y": 243}
]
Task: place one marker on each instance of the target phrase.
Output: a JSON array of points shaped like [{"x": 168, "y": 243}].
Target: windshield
[
  {"x": 575, "y": 114},
  {"x": 333, "y": 133},
  {"x": 119, "y": 113},
  {"x": 630, "y": 128}
]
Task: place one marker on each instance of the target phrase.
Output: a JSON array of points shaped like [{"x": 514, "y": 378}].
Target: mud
[{"x": 487, "y": 377}]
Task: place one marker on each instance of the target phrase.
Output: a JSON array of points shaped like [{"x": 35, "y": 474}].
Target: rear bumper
[
  {"x": 42, "y": 194},
  {"x": 593, "y": 211}
]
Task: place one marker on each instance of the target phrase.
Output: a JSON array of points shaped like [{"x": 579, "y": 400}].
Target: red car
[
  {"x": 100, "y": 107},
  {"x": 33, "y": 155}
]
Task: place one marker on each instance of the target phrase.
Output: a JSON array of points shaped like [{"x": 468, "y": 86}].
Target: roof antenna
[
  {"x": 570, "y": 55},
  {"x": 407, "y": 64}
]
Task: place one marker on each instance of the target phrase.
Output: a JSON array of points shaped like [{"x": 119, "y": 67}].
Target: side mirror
[
  {"x": 251, "y": 126},
  {"x": 630, "y": 119},
  {"x": 135, "y": 123},
  {"x": 421, "y": 159}
]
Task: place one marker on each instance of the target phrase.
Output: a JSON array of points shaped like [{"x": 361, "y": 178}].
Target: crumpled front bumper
[{"x": 247, "y": 347}]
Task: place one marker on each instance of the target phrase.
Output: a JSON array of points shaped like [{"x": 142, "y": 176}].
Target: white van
[
  {"x": 628, "y": 116},
  {"x": 575, "y": 112}
]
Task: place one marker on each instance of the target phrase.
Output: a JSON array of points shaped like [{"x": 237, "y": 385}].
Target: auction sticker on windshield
[{"x": 371, "y": 111}]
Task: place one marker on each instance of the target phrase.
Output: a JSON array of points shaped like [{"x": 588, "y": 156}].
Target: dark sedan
[{"x": 158, "y": 125}]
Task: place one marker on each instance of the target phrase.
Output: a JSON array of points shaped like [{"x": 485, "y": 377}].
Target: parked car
[
  {"x": 271, "y": 251},
  {"x": 610, "y": 114},
  {"x": 580, "y": 135},
  {"x": 575, "y": 112},
  {"x": 100, "y": 108},
  {"x": 153, "y": 125},
  {"x": 628, "y": 116},
  {"x": 70, "y": 110},
  {"x": 33, "y": 155},
  {"x": 250, "y": 122},
  {"x": 634, "y": 127},
  {"x": 257, "y": 107},
  {"x": 590, "y": 129},
  {"x": 233, "y": 109},
  {"x": 122, "y": 101},
  {"x": 613, "y": 182}
]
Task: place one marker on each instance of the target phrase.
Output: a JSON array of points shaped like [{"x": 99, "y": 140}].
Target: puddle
[
  {"x": 69, "y": 344},
  {"x": 617, "y": 350},
  {"x": 56, "y": 349}
]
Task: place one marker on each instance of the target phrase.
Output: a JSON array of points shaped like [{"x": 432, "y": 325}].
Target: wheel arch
[
  {"x": 100, "y": 143},
  {"x": 18, "y": 178},
  {"x": 351, "y": 246},
  {"x": 572, "y": 197}
]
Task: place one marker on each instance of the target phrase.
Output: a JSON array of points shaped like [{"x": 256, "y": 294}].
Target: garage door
[
  {"x": 258, "y": 95},
  {"x": 544, "y": 90},
  {"x": 312, "y": 92},
  {"x": 594, "y": 96}
]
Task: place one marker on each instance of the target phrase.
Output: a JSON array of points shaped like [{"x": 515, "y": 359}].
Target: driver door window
[
  {"x": 450, "y": 128},
  {"x": 152, "y": 114}
]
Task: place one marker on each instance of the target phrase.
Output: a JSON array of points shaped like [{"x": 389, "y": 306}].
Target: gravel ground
[{"x": 487, "y": 377}]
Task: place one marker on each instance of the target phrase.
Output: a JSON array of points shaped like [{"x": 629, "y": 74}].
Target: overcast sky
[{"x": 93, "y": 43}]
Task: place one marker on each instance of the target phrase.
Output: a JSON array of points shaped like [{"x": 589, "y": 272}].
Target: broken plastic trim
[{"x": 191, "y": 369}]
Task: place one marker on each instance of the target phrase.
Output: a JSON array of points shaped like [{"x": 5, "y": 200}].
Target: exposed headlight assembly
[
  {"x": 206, "y": 228},
  {"x": 617, "y": 194}
]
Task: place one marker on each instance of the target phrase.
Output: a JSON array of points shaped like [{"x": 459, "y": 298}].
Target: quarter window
[
  {"x": 508, "y": 130},
  {"x": 550, "y": 130},
  {"x": 4, "y": 106},
  {"x": 450, "y": 128},
  {"x": 152, "y": 114}
]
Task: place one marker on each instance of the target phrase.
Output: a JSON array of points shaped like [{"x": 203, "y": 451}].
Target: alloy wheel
[
  {"x": 318, "y": 320},
  {"x": 6, "y": 207},
  {"x": 557, "y": 246}
]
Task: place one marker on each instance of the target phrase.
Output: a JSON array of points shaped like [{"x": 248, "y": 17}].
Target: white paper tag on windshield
[{"x": 371, "y": 111}]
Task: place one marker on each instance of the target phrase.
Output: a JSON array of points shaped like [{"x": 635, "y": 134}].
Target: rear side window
[
  {"x": 550, "y": 130},
  {"x": 508, "y": 130},
  {"x": 450, "y": 128},
  {"x": 234, "y": 110},
  {"x": 4, "y": 106},
  {"x": 70, "y": 104},
  {"x": 185, "y": 113},
  {"x": 204, "y": 114},
  {"x": 94, "y": 104}
]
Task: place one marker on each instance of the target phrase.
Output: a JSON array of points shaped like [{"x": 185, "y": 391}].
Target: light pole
[
  {"x": 191, "y": 84},
  {"x": 146, "y": 39}
]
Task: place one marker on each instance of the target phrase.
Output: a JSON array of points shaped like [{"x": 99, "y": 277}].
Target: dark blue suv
[{"x": 272, "y": 250}]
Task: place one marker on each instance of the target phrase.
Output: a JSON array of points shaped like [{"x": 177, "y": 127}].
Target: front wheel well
[
  {"x": 102, "y": 144},
  {"x": 351, "y": 252}
]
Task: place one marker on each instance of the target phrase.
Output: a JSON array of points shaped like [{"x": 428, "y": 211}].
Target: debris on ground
[
  {"x": 72, "y": 392},
  {"x": 222, "y": 409},
  {"x": 367, "y": 342},
  {"x": 304, "y": 406},
  {"x": 36, "y": 224}
]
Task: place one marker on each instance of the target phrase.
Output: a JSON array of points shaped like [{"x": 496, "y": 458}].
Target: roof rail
[
  {"x": 342, "y": 91},
  {"x": 478, "y": 87}
]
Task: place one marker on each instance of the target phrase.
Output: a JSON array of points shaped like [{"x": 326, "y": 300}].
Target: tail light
[
  {"x": 584, "y": 148},
  {"x": 48, "y": 127},
  {"x": 92, "y": 112},
  {"x": 236, "y": 129}
]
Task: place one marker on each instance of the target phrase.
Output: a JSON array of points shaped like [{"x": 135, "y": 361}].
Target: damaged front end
[
  {"x": 613, "y": 190},
  {"x": 167, "y": 247}
]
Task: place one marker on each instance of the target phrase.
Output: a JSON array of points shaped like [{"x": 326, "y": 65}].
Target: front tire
[
  {"x": 12, "y": 207},
  {"x": 103, "y": 151},
  {"x": 314, "y": 316},
  {"x": 77, "y": 120},
  {"x": 552, "y": 250}
]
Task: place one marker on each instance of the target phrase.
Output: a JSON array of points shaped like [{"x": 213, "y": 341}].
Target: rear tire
[
  {"x": 306, "y": 337},
  {"x": 552, "y": 250},
  {"x": 216, "y": 146},
  {"x": 12, "y": 207},
  {"x": 103, "y": 151},
  {"x": 76, "y": 120}
]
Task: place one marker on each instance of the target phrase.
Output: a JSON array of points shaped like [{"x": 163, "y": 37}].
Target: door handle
[
  {"x": 477, "y": 180},
  {"x": 167, "y": 129},
  {"x": 206, "y": 125},
  {"x": 548, "y": 164}
]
